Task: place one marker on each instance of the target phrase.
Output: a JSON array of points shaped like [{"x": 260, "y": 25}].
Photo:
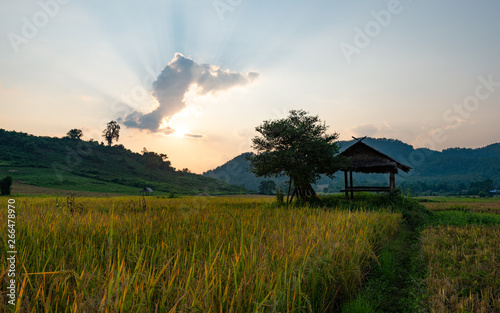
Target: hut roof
[
  {"x": 147, "y": 189},
  {"x": 366, "y": 159},
  {"x": 203, "y": 194}
]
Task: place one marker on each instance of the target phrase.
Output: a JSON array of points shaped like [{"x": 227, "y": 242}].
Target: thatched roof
[
  {"x": 366, "y": 159},
  {"x": 203, "y": 194}
]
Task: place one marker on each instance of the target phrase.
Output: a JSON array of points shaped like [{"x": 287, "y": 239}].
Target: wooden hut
[
  {"x": 365, "y": 159},
  {"x": 147, "y": 191}
]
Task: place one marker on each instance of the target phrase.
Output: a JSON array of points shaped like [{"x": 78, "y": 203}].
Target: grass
[
  {"x": 463, "y": 199},
  {"x": 190, "y": 254},
  {"x": 395, "y": 283},
  {"x": 29, "y": 179},
  {"x": 34, "y": 180},
  {"x": 460, "y": 248},
  {"x": 480, "y": 205},
  {"x": 444, "y": 260},
  {"x": 463, "y": 268},
  {"x": 464, "y": 218},
  {"x": 235, "y": 254},
  {"x": 25, "y": 190}
]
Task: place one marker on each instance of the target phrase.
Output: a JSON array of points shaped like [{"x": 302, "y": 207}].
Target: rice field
[
  {"x": 192, "y": 254},
  {"x": 488, "y": 205},
  {"x": 463, "y": 268}
]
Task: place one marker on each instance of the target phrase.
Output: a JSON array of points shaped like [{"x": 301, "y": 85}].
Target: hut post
[
  {"x": 352, "y": 185},
  {"x": 392, "y": 181},
  {"x": 346, "y": 184}
]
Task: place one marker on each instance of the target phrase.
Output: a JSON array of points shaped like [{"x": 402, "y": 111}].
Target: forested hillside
[{"x": 88, "y": 165}]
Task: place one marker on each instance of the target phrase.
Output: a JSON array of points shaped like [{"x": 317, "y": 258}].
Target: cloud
[
  {"x": 175, "y": 80},
  {"x": 196, "y": 136},
  {"x": 371, "y": 130},
  {"x": 365, "y": 130}
]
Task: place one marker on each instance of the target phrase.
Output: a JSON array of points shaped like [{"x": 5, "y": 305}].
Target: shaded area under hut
[{"x": 365, "y": 159}]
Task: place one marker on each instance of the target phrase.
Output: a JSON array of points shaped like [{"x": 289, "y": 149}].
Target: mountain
[
  {"x": 237, "y": 172},
  {"x": 447, "y": 171},
  {"x": 73, "y": 164}
]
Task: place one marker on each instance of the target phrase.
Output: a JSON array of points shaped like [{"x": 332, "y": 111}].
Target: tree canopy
[
  {"x": 111, "y": 132},
  {"x": 75, "y": 134},
  {"x": 267, "y": 187},
  {"x": 296, "y": 146},
  {"x": 157, "y": 161}
]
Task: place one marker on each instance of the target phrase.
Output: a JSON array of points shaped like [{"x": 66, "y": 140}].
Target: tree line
[
  {"x": 154, "y": 161},
  {"x": 110, "y": 133},
  {"x": 480, "y": 188}
]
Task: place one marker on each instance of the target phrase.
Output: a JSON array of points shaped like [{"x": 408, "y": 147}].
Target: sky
[{"x": 192, "y": 78}]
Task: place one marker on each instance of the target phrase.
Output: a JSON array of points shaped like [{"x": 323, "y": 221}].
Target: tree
[
  {"x": 156, "y": 161},
  {"x": 75, "y": 134},
  {"x": 267, "y": 187},
  {"x": 5, "y": 185},
  {"x": 476, "y": 187},
  {"x": 298, "y": 147},
  {"x": 111, "y": 132}
]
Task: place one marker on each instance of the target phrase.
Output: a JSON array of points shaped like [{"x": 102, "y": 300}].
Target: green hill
[
  {"x": 447, "y": 171},
  {"x": 71, "y": 164}
]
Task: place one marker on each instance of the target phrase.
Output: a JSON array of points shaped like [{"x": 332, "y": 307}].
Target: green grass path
[{"x": 394, "y": 284}]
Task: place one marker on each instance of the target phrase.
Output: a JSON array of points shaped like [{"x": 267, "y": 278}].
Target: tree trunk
[
  {"x": 293, "y": 194},
  {"x": 312, "y": 192},
  {"x": 304, "y": 192}
]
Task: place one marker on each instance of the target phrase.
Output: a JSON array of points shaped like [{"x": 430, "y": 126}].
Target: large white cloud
[{"x": 175, "y": 80}]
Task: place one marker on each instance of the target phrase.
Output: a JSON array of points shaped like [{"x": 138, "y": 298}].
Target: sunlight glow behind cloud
[{"x": 173, "y": 84}]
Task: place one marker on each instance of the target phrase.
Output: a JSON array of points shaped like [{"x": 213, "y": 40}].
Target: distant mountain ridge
[{"x": 451, "y": 168}]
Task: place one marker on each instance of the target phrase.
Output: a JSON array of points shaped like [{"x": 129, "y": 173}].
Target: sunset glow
[{"x": 186, "y": 69}]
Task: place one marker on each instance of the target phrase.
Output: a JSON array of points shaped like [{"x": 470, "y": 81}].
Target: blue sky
[{"x": 424, "y": 72}]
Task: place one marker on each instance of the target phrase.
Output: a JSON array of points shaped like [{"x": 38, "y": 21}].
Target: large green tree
[
  {"x": 111, "y": 132},
  {"x": 296, "y": 146}
]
